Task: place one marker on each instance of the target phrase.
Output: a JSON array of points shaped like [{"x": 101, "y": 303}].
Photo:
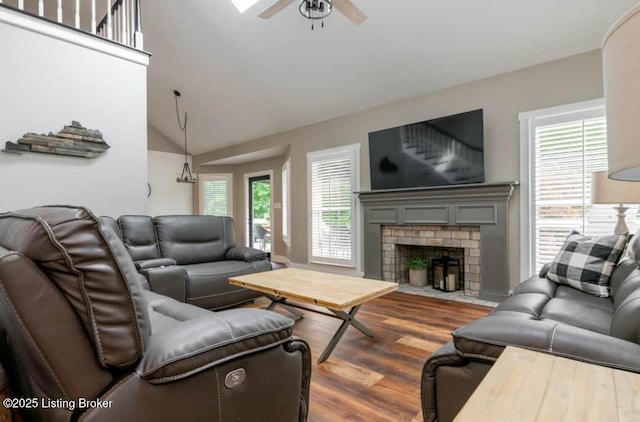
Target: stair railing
[{"x": 122, "y": 22}]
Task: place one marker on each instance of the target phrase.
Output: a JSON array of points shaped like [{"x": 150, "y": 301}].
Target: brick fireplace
[
  {"x": 472, "y": 217},
  {"x": 399, "y": 242}
]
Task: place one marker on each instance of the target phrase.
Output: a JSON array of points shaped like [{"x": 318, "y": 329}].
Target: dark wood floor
[{"x": 378, "y": 379}]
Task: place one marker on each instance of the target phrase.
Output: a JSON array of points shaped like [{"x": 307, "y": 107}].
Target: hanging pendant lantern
[{"x": 186, "y": 176}]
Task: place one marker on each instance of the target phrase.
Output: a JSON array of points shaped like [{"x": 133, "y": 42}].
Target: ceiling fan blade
[
  {"x": 275, "y": 8},
  {"x": 350, "y": 11}
]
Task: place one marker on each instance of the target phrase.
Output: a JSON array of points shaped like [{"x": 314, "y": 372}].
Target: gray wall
[
  {"x": 564, "y": 81},
  {"x": 156, "y": 141},
  {"x": 239, "y": 191}
]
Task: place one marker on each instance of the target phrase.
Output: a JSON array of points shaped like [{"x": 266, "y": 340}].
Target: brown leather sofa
[
  {"x": 543, "y": 316},
  {"x": 190, "y": 257},
  {"x": 81, "y": 339}
]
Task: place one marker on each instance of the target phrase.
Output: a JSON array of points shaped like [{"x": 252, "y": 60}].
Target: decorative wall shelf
[{"x": 74, "y": 140}]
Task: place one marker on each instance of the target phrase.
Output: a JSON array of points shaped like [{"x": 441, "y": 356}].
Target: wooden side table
[{"x": 530, "y": 386}]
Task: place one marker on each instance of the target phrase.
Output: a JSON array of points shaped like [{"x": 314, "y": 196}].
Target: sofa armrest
[
  {"x": 445, "y": 356},
  {"x": 199, "y": 344},
  {"x": 169, "y": 281},
  {"x": 243, "y": 253},
  {"x": 154, "y": 263},
  {"x": 486, "y": 338},
  {"x": 544, "y": 270},
  {"x": 448, "y": 380}
]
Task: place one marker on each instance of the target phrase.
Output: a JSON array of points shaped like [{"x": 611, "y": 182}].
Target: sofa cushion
[
  {"x": 586, "y": 263},
  {"x": 194, "y": 239},
  {"x": 88, "y": 263},
  {"x": 208, "y": 283},
  {"x": 111, "y": 222},
  {"x": 578, "y": 314},
  {"x": 139, "y": 237},
  {"x": 524, "y": 303},
  {"x": 537, "y": 284}
]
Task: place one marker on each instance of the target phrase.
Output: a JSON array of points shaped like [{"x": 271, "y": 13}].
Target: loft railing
[{"x": 121, "y": 22}]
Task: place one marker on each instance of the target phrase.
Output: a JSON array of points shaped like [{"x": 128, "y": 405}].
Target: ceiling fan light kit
[
  {"x": 318, "y": 10},
  {"x": 315, "y": 10}
]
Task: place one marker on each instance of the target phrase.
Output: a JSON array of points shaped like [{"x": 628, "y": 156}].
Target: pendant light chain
[{"x": 182, "y": 127}]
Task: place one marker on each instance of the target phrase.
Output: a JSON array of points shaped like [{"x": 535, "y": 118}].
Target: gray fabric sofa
[
  {"x": 543, "y": 316},
  {"x": 77, "y": 327},
  {"x": 190, "y": 257}
]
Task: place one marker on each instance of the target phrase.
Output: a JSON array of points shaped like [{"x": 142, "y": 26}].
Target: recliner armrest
[
  {"x": 199, "y": 344},
  {"x": 486, "y": 338},
  {"x": 154, "y": 263},
  {"x": 243, "y": 253},
  {"x": 169, "y": 281}
]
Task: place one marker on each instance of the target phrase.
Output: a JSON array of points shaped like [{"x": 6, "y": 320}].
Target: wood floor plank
[
  {"x": 418, "y": 343},
  {"x": 355, "y": 373}
]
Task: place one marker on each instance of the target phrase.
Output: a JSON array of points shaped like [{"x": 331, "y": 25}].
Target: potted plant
[{"x": 417, "y": 266}]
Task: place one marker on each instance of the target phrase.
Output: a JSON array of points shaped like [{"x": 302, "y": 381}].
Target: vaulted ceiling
[{"x": 243, "y": 77}]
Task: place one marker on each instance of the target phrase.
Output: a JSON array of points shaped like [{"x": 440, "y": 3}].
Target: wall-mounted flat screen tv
[{"x": 444, "y": 151}]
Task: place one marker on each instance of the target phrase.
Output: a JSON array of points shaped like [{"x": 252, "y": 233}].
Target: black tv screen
[{"x": 444, "y": 151}]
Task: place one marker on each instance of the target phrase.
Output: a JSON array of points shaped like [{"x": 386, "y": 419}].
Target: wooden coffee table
[{"x": 340, "y": 295}]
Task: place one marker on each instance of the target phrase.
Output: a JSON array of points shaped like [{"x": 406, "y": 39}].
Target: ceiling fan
[{"x": 318, "y": 9}]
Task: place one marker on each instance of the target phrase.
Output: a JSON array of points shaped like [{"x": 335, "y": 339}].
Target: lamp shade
[
  {"x": 608, "y": 191},
  {"x": 621, "y": 65}
]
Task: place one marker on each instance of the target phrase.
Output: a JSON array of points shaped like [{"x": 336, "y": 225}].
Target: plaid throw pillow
[{"x": 586, "y": 263}]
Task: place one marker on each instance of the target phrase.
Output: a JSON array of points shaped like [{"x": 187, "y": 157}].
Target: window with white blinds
[
  {"x": 333, "y": 177},
  {"x": 216, "y": 192},
  {"x": 565, "y": 149},
  {"x": 285, "y": 201}
]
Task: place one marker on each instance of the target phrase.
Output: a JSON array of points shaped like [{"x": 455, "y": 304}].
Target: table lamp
[
  {"x": 621, "y": 65},
  {"x": 609, "y": 191}
]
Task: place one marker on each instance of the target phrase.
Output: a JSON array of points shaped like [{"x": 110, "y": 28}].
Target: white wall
[
  {"x": 167, "y": 195},
  {"x": 45, "y": 83}
]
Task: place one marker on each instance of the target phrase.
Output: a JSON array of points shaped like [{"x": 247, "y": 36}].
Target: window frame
[
  {"x": 286, "y": 201},
  {"x": 353, "y": 153},
  {"x": 528, "y": 123},
  {"x": 227, "y": 177}
]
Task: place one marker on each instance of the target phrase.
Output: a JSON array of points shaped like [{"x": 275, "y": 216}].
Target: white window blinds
[
  {"x": 333, "y": 179},
  {"x": 216, "y": 194},
  {"x": 567, "y": 149},
  {"x": 285, "y": 201}
]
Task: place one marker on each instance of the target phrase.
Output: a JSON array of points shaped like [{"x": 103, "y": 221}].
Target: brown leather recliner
[{"x": 81, "y": 339}]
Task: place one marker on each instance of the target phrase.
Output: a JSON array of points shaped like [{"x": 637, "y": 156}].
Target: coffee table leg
[
  {"x": 292, "y": 310},
  {"x": 360, "y": 326},
  {"x": 277, "y": 301},
  {"x": 347, "y": 319}
]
